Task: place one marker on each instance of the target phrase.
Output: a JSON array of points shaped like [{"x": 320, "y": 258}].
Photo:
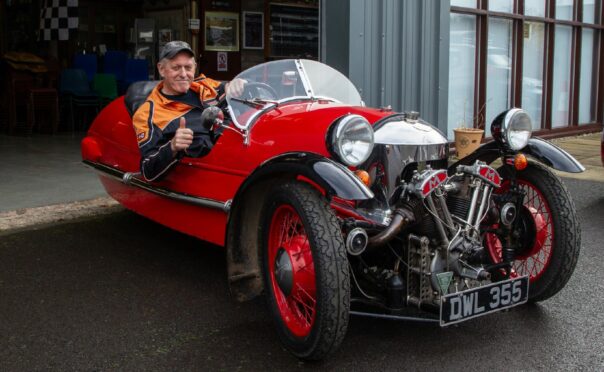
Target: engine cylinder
[{"x": 458, "y": 206}]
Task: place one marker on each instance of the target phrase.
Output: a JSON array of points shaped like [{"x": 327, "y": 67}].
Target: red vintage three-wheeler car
[{"x": 330, "y": 208}]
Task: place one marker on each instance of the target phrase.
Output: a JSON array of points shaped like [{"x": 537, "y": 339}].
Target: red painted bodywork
[{"x": 300, "y": 126}]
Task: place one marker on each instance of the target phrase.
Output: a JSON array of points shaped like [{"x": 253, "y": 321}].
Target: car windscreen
[{"x": 273, "y": 83}]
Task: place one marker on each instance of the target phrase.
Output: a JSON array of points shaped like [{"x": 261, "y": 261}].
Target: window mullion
[
  {"x": 517, "y": 59},
  {"x": 575, "y": 76},
  {"x": 481, "y": 78},
  {"x": 549, "y": 76}
]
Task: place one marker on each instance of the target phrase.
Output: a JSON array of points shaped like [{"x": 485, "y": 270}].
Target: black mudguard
[
  {"x": 543, "y": 151},
  {"x": 552, "y": 156},
  {"x": 333, "y": 177}
]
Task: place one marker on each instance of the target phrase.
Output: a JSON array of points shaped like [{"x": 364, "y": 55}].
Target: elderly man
[{"x": 168, "y": 125}]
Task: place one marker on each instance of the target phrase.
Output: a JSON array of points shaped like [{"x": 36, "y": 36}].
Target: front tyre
[
  {"x": 305, "y": 271},
  {"x": 548, "y": 238}
]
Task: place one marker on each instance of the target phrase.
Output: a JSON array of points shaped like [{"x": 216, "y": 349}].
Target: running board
[{"x": 131, "y": 179}]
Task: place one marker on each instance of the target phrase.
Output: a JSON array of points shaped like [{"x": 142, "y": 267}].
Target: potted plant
[{"x": 467, "y": 137}]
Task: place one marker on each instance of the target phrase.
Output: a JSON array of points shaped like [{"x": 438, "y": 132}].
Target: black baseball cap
[{"x": 173, "y": 48}]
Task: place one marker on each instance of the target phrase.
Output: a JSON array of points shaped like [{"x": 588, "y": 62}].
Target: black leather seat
[{"x": 137, "y": 93}]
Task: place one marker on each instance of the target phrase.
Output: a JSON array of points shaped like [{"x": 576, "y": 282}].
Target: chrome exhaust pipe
[{"x": 402, "y": 218}]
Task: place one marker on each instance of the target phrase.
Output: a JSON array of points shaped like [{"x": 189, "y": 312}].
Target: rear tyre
[
  {"x": 305, "y": 271},
  {"x": 549, "y": 236}
]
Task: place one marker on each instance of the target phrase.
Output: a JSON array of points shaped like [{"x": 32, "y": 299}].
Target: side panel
[{"x": 203, "y": 223}]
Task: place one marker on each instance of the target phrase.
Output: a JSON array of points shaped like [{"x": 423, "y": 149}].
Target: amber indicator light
[
  {"x": 363, "y": 176},
  {"x": 520, "y": 162}
]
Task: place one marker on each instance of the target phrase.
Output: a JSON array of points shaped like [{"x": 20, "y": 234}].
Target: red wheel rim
[
  {"x": 535, "y": 261},
  {"x": 289, "y": 251}
]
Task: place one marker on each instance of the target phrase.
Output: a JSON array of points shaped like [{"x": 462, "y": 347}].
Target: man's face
[{"x": 178, "y": 73}]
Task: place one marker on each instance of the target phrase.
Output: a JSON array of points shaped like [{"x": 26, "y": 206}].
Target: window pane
[
  {"x": 532, "y": 71},
  {"x": 561, "y": 85},
  {"x": 564, "y": 9},
  {"x": 501, "y": 6},
  {"x": 499, "y": 67},
  {"x": 465, "y": 3},
  {"x": 534, "y": 8},
  {"x": 462, "y": 49},
  {"x": 587, "y": 112},
  {"x": 589, "y": 10}
]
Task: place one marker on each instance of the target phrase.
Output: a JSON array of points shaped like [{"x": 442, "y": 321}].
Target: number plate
[{"x": 461, "y": 306}]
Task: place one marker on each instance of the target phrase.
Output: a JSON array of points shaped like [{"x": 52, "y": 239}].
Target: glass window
[
  {"x": 464, "y": 3},
  {"x": 561, "y": 84},
  {"x": 462, "y": 52},
  {"x": 589, "y": 10},
  {"x": 499, "y": 68},
  {"x": 534, "y": 8},
  {"x": 501, "y": 6},
  {"x": 587, "y": 112},
  {"x": 564, "y": 9},
  {"x": 532, "y": 70}
]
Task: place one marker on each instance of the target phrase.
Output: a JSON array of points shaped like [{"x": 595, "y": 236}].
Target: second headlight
[
  {"x": 351, "y": 139},
  {"x": 518, "y": 128}
]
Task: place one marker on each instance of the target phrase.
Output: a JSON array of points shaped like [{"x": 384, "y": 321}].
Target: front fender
[
  {"x": 543, "y": 151},
  {"x": 333, "y": 177},
  {"x": 552, "y": 156}
]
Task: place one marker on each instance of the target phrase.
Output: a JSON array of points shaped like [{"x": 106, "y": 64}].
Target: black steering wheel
[{"x": 258, "y": 90}]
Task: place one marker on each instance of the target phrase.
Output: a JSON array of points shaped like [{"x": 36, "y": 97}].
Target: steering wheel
[{"x": 258, "y": 90}]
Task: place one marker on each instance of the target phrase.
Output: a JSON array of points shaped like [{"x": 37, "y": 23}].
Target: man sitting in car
[{"x": 169, "y": 124}]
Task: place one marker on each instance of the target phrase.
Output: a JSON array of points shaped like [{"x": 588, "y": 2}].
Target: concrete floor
[{"x": 41, "y": 170}]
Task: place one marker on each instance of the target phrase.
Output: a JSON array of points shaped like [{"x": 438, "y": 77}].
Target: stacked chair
[
  {"x": 105, "y": 85},
  {"x": 76, "y": 92},
  {"x": 86, "y": 62},
  {"x": 84, "y": 87},
  {"x": 134, "y": 70}
]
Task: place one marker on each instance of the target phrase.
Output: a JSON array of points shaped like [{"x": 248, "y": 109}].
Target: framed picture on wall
[
  {"x": 221, "y": 31},
  {"x": 253, "y": 30}
]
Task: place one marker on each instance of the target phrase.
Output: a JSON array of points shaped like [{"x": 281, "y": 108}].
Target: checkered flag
[{"x": 58, "y": 18}]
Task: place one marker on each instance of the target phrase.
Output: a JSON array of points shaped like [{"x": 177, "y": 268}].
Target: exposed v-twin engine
[{"x": 438, "y": 219}]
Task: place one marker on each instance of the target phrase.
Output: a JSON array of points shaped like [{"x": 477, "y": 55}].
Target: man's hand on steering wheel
[{"x": 235, "y": 87}]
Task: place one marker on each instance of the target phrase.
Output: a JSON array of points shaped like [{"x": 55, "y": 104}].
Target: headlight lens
[
  {"x": 352, "y": 139},
  {"x": 517, "y": 129}
]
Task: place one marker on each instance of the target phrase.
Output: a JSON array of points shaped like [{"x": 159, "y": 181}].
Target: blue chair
[
  {"x": 114, "y": 63},
  {"x": 135, "y": 70},
  {"x": 75, "y": 89},
  {"x": 86, "y": 62}
]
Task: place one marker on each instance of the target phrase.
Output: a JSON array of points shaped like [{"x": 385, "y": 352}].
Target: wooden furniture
[{"x": 43, "y": 110}]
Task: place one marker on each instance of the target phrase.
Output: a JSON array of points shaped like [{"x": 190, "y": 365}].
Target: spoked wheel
[
  {"x": 547, "y": 239},
  {"x": 305, "y": 270}
]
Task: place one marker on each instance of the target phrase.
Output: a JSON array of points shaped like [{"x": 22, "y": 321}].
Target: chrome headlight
[
  {"x": 513, "y": 127},
  {"x": 351, "y": 139}
]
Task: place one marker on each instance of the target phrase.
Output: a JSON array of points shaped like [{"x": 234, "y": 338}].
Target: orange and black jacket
[{"x": 157, "y": 119}]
